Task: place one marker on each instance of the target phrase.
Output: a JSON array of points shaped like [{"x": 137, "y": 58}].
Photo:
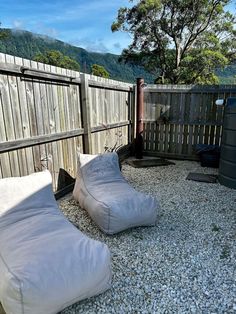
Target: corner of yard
[{"x": 186, "y": 263}]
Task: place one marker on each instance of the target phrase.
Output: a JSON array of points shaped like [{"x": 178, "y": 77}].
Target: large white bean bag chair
[
  {"x": 46, "y": 264},
  {"x": 112, "y": 203}
]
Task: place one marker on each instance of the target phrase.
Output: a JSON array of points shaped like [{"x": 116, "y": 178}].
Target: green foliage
[
  {"x": 198, "y": 66},
  {"x": 3, "y": 33},
  {"x": 180, "y": 41},
  {"x": 56, "y": 58},
  {"x": 215, "y": 228},
  {"x": 27, "y": 45},
  {"x": 99, "y": 70},
  {"x": 225, "y": 254},
  {"x": 228, "y": 74}
]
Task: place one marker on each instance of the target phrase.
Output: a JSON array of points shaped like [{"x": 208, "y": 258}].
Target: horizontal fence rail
[
  {"x": 47, "y": 113},
  {"x": 177, "y": 117}
]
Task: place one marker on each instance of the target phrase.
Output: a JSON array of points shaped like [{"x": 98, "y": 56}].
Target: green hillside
[
  {"x": 26, "y": 45},
  {"x": 228, "y": 75}
]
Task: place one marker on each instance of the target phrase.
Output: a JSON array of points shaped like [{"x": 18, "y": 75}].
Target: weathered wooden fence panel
[
  {"x": 109, "y": 107},
  {"x": 47, "y": 112},
  {"x": 176, "y": 118}
]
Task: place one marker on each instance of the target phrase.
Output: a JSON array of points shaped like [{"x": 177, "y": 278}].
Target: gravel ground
[{"x": 185, "y": 264}]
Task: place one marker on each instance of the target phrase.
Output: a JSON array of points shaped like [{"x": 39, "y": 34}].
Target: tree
[
  {"x": 3, "y": 33},
  {"x": 181, "y": 41},
  {"x": 56, "y": 58},
  {"x": 99, "y": 70}
]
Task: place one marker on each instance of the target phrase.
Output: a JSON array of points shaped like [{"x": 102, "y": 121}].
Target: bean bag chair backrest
[
  {"x": 24, "y": 196},
  {"x": 99, "y": 169},
  {"x": 112, "y": 203},
  {"x": 46, "y": 263}
]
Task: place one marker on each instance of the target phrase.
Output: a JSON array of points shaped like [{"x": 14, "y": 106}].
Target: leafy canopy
[
  {"x": 99, "y": 70},
  {"x": 181, "y": 41},
  {"x": 3, "y": 33},
  {"x": 56, "y": 58}
]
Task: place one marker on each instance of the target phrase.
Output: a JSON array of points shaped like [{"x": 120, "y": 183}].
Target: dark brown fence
[{"x": 176, "y": 118}]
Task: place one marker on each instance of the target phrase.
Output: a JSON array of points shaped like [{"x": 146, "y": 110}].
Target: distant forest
[
  {"x": 228, "y": 75},
  {"x": 26, "y": 45}
]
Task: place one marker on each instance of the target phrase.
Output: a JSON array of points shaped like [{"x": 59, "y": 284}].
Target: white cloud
[
  {"x": 18, "y": 24},
  {"x": 87, "y": 43},
  {"x": 82, "y": 23},
  {"x": 97, "y": 46},
  {"x": 117, "y": 45},
  {"x": 48, "y": 31},
  {"x": 113, "y": 43}
]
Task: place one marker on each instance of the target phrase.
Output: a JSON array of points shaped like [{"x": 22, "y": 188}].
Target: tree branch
[{"x": 200, "y": 30}]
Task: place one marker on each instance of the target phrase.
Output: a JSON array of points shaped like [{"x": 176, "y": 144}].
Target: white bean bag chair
[
  {"x": 111, "y": 202},
  {"x": 46, "y": 264}
]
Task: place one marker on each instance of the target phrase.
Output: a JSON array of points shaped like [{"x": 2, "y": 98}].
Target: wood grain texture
[
  {"x": 47, "y": 113},
  {"x": 183, "y": 116}
]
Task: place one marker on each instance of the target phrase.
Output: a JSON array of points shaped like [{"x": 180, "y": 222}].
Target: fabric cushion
[
  {"x": 46, "y": 263},
  {"x": 112, "y": 203}
]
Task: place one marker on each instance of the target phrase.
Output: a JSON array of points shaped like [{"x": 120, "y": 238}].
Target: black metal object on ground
[
  {"x": 124, "y": 152},
  {"x": 67, "y": 189},
  {"x": 202, "y": 177},
  {"x": 138, "y": 146},
  {"x": 149, "y": 162},
  {"x": 209, "y": 155},
  {"x": 65, "y": 184}
]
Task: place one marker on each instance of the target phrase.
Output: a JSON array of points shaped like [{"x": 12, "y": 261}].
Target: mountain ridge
[{"x": 25, "y": 44}]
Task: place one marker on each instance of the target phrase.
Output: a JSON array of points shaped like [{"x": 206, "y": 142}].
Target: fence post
[
  {"x": 131, "y": 114},
  {"x": 85, "y": 112},
  {"x": 140, "y": 99},
  {"x": 139, "y": 144}
]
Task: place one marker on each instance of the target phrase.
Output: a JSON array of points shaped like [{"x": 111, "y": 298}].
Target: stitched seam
[
  {"x": 107, "y": 206},
  {"x": 109, "y": 217},
  {"x": 19, "y": 282},
  {"x": 109, "y": 209},
  {"x": 81, "y": 172}
]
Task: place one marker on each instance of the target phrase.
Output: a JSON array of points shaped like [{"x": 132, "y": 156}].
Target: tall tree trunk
[{"x": 177, "y": 60}]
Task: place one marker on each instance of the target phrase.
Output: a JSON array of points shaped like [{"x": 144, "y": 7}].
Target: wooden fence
[
  {"x": 177, "y": 117},
  {"x": 47, "y": 112}
]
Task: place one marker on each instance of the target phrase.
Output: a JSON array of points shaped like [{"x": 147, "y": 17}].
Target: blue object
[{"x": 202, "y": 148}]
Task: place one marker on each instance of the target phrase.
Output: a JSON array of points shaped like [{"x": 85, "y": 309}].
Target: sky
[{"x": 83, "y": 23}]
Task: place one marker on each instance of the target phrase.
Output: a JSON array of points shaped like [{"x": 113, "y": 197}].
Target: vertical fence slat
[
  {"x": 189, "y": 116},
  {"x": 33, "y": 107},
  {"x": 8, "y": 109},
  {"x": 193, "y": 117}
]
